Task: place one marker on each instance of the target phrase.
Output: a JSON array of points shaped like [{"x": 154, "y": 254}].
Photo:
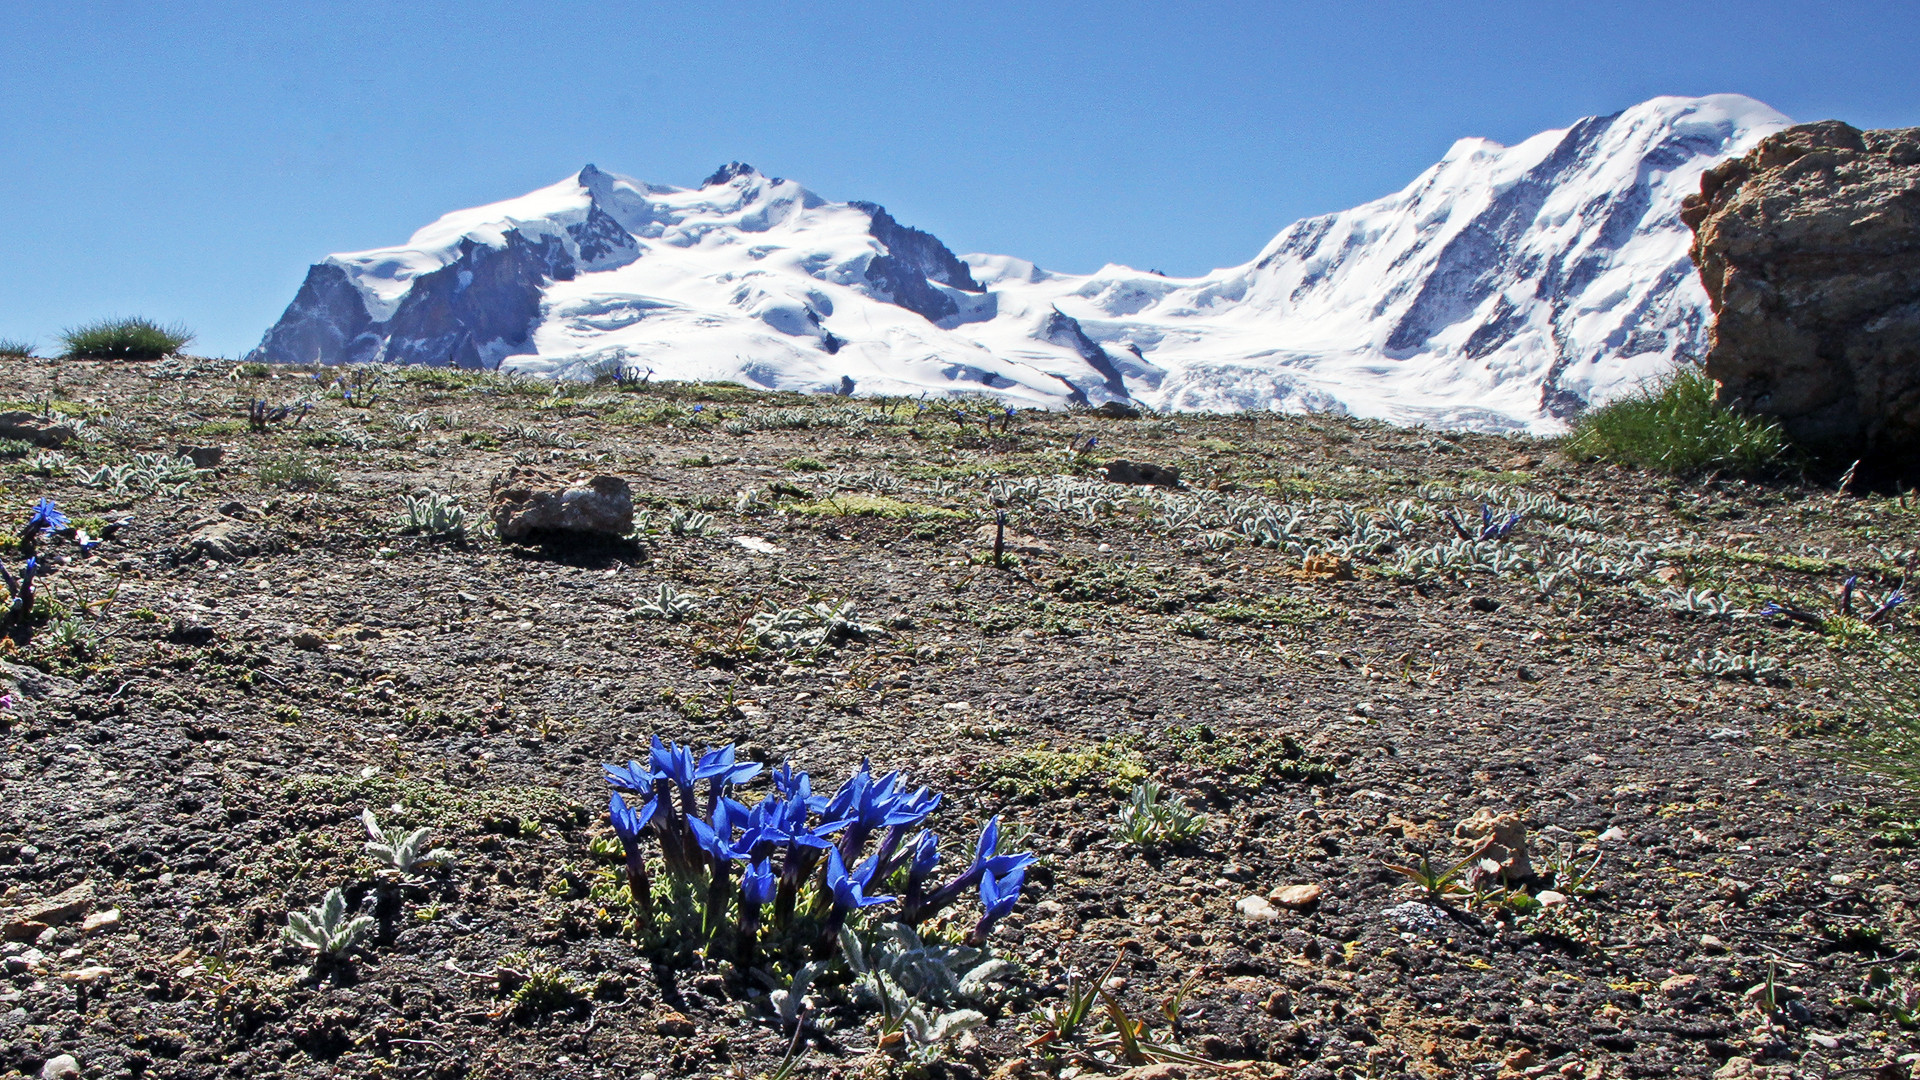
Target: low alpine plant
[
  {"x": 326, "y": 928},
  {"x": 796, "y": 867},
  {"x": 405, "y": 852},
  {"x": 1153, "y": 818}
]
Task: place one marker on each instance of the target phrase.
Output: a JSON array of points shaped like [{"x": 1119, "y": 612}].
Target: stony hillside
[{"x": 1336, "y": 641}]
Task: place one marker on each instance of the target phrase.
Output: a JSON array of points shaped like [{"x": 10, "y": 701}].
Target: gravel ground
[{"x": 259, "y": 656}]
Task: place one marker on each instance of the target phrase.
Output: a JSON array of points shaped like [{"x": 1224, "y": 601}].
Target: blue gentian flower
[
  {"x": 716, "y": 838},
  {"x": 913, "y": 808},
  {"x": 45, "y": 516},
  {"x": 985, "y": 861},
  {"x": 757, "y": 884},
  {"x": 719, "y": 765},
  {"x": 673, "y": 763},
  {"x": 1893, "y": 600},
  {"x": 787, "y": 780},
  {"x": 630, "y": 776},
  {"x": 849, "y": 886},
  {"x": 998, "y": 895},
  {"x": 924, "y": 857},
  {"x": 627, "y": 822}
]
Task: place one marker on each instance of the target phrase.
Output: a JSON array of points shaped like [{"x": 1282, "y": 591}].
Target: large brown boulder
[
  {"x": 1809, "y": 247},
  {"x": 527, "y": 503}
]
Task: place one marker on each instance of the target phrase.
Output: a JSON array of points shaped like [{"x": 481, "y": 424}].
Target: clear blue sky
[{"x": 188, "y": 161}]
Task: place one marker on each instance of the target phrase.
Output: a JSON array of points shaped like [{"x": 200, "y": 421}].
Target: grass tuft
[
  {"x": 296, "y": 472},
  {"x": 15, "y": 350},
  {"x": 1882, "y": 702},
  {"x": 124, "y": 339},
  {"x": 1675, "y": 426}
]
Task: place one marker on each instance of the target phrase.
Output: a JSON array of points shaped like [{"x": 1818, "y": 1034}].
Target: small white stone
[
  {"x": 1257, "y": 909},
  {"x": 1615, "y": 835},
  {"x": 101, "y": 920},
  {"x": 1551, "y": 898}
]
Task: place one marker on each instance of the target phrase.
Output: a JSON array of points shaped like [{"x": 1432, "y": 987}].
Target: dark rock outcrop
[
  {"x": 1809, "y": 247},
  {"x": 914, "y": 261},
  {"x": 469, "y": 313},
  {"x": 1064, "y": 329}
]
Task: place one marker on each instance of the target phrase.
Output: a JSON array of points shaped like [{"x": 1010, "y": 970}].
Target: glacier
[{"x": 1506, "y": 288}]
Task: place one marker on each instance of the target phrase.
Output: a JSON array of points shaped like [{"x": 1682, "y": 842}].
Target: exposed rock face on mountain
[
  {"x": 1506, "y": 287},
  {"x": 1809, "y": 247}
]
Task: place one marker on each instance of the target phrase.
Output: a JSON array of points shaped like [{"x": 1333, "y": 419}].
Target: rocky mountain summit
[
  {"x": 1506, "y": 287},
  {"x": 1809, "y": 247}
]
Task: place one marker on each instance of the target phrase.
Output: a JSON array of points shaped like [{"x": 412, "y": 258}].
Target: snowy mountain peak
[
  {"x": 728, "y": 173},
  {"x": 1504, "y": 287}
]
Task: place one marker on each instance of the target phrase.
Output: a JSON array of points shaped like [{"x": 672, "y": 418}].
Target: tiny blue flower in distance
[{"x": 46, "y": 516}]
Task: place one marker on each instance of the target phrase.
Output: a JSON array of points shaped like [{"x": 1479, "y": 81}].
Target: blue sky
[{"x": 188, "y": 161}]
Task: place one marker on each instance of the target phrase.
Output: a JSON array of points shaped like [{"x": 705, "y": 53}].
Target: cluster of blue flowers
[
  {"x": 1491, "y": 527},
  {"x": 800, "y": 856},
  {"x": 46, "y": 518},
  {"x": 1880, "y": 611},
  {"x": 357, "y": 386},
  {"x": 262, "y": 416}
]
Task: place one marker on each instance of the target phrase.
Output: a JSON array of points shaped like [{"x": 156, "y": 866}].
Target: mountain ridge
[{"x": 1504, "y": 288}]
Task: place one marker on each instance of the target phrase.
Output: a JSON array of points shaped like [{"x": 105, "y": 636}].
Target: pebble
[
  {"x": 308, "y": 638},
  {"x": 674, "y": 1025},
  {"x": 62, "y": 1067},
  {"x": 1824, "y": 1042},
  {"x": 1677, "y": 985},
  {"x": 1551, "y": 898},
  {"x": 61, "y": 909},
  {"x": 1415, "y": 916},
  {"x": 101, "y": 920},
  {"x": 1615, "y": 835},
  {"x": 1256, "y": 909},
  {"x": 1296, "y": 897},
  {"x": 1712, "y": 944},
  {"x": 26, "y": 960}
]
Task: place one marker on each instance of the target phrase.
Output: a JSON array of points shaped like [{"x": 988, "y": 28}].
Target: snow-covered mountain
[{"x": 1505, "y": 287}]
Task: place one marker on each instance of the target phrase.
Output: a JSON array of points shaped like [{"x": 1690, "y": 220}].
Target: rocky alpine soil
[{"x": 1297, "y": 644}]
